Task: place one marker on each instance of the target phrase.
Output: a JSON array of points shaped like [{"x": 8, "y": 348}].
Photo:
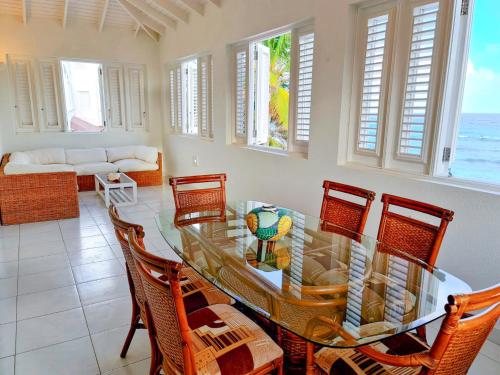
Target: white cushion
[
  {"x": 86, "y": 155},
  {"x": 86, "y": 169},
  {"x": 41, "y": 156},
  {"x": 135, "y": 165},
  {"x": 120, "y": 153},
  {"x": 14, "y": 168},
  {"x": 147, "y": 154}
]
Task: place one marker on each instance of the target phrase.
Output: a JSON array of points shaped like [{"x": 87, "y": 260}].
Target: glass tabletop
[{"x": 324, "y": 283}]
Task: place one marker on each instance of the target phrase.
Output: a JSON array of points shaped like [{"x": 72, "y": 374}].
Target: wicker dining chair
[
  {"x": 456, "y": 346},
  {"x": 208, "y": 196},
  {"x": 217, "y": 339},
  {"x": 417, "y": 238},
  {"x": 196, "y": 292},
  {"x": 343, "y": 213}
]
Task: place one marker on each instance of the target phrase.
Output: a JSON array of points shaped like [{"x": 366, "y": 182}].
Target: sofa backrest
[
  {"x": 145, "y": 153},
  {"x": 86, "y": 155},
  {"x": 41, "y": 156}
]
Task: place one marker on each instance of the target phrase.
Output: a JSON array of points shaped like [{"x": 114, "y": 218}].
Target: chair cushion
[
  {"x": 86, "y": 169},
  {"x": 146, "y": 153},
  {"x": 120, "y": 153},
  {"x": 41, "y": 156},
  {"x": 352, "y": 362},
  {"x": 86, "y": 155},
  {"x": 15, "y": 168},
  {"x": 135, "y": 165},
  {"x": 226, "y": 342}
]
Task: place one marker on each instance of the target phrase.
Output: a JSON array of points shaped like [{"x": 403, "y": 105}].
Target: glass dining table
[{"x": 320, "y": 282}]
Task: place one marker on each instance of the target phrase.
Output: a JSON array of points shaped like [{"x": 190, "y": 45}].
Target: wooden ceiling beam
[
  {"x": 153, "y": 34},
  {"x": 65, "y": 13},
  {"x": 24, "y": 5},
  {"x": 216, "y": 2},
  {"x": 153, "y": 13},
  {"x": 137, "y": 28},
  {"x": 173, "y": 10},
  {"x": 103, "y": 15},
  {"x": 194, "y": 5},
  {"x": 142, "y": 19}
]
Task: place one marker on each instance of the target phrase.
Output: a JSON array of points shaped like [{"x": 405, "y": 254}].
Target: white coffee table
[{"x": 122, "y": 193}]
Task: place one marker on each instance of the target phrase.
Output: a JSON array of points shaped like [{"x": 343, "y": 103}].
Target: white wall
[
  {"x": 471, "y": 249},
  {"x": 46, "y": 38}
]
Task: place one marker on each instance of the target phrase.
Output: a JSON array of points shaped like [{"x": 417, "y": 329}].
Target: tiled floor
[{"x": 64, "y": 299}]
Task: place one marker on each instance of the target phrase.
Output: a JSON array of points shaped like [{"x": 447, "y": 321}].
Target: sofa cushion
[
  {"x": 86, "y": 155},
  {"x": 86, "y": 169},
  {"x": 135, "y": 165},
  {"x": 16, "y": 168},
  {"x": 41, "y": 156},
  {"x": 120, "y": 153},
  {"x": 147, "y": 154}
]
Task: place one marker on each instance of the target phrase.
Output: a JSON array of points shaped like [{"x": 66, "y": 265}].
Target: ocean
[{"x": 478, "y": 148}]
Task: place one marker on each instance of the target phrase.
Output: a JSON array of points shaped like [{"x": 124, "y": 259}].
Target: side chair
[{"x": 197, "y": 197}]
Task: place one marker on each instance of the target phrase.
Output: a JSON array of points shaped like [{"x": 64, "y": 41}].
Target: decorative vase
[{"x": 268, "y": 223}]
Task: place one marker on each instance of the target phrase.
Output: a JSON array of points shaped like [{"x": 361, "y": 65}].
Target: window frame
[{"x": 293, "y": 146}]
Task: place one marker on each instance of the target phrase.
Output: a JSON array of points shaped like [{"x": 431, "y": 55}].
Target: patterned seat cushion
[
  {"x": 226, "y": 342},
  {"x": 352, "y": 362}
]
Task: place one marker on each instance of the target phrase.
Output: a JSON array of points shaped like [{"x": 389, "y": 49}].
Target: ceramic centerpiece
[{"x": 269, "y": 223}]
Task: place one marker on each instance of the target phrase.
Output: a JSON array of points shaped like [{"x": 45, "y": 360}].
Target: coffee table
[{"x": 121, "y": 193}]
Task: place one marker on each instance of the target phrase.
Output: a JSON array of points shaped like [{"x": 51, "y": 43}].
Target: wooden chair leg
[
  {"x": 309, "y": 358},
  {"x": 134, "y": 323},
  {"x": 422, "y": 333}
]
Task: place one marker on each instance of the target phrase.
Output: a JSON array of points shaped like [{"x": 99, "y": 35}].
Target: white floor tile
[
  {"x": 491, "y": 350},
  {"x": 7, "y": 366},
  {"x": 8, "y": 269},
  {"x": 45, "y": 281},
  {"x": 41, "y": 227},
  {"x": 9, "y": 255},
  {"x": 37, "y": 238},
  {"x": 74, "y": 357},
  {"x": 484, "y": 366},
  {"x": 9, "y": 230},
  {"x": 76, "y": 232},
  {"x": 83, "y": 243},
  {"x": 50, "y": 329},
  {"x": 7, "y": 340},
  {"x": 9, "y": 242},
  {"x": 138, "y": 368},
  {"x": 8, "y": 310},
  {"x": 81, "y": 222},
  {"x": 98, "y": 270},
  {"x": 43, "y": 264},
  {"x": 41, "y": 249},
  {"x": 8, "y": 287},
  {"x": 48, "y": 302},
  {"x": 97, "y": 254},
  {"x": 108, "y": 315},
  {"x": 103, "y": 290},
  {"x": 108, "y": 345}
]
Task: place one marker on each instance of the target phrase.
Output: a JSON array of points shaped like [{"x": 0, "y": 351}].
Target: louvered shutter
[
  {"x": 114, "y": 101},
  {"x": 23, "y": 94},
  {"x": 304, "y": 86},
  {"x": 241, "y": 92},
  {"x": 371, "y": 103},
  {"x": 178, "y": 73},
  {"x": 49, "y": 96},
  {"x": 192, "y": 97},
  {"x": 172, "y": 98},
  {"x": 416, "y": 117},
  {"x": 205, "y": 95},
  {"x": 136, "y": 89}
]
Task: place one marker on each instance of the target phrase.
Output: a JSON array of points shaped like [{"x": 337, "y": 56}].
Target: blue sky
[{"x": 482, "y": 88}]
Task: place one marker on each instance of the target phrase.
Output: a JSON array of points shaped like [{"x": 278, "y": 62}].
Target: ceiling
[{"x": 154, "y": 17}]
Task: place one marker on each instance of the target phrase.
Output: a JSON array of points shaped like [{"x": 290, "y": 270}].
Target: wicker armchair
[
  {"x": 456, "y": 346},
  {"x": 196, "y": 293},
  {"x": 345, "y": 214},
  {"x": 207, "y": 196},
  {"x": 217, "y": 339}
]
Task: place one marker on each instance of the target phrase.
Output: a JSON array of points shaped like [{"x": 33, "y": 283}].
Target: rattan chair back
[{"x": 207, "y": 196}]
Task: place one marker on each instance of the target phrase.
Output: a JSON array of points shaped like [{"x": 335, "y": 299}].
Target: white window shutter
[
  {"x": 304, "y": 86},
  {"x": 172, "y": 98},
  {"x": 192, "y": 97},
  {"x": 370, "y": 125},
  {"x": 115, "y": 96},
  {"x": 136, "y": 90},
  {"x": 24, "y": 104},
  {"x": 416, "y": 116},
  {"x": 241, "y": 92},
  {"x": 179, "y": 101},
  {"x": 205, "y": 95},
  {"x": 50, "y": 110},
  {"x": 262, "y": 76}
]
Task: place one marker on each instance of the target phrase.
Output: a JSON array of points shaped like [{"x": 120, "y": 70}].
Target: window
[
  {"x": 83, "y": 96},
  {"x": 401, "y": 55},
  {"x": 472, "y": 137},
  {"x": 190, "y": 93},
  {"x": 273, "y": 90}
]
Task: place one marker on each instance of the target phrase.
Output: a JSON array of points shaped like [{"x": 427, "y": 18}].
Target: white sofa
[{"x": 84, "y": 161}]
